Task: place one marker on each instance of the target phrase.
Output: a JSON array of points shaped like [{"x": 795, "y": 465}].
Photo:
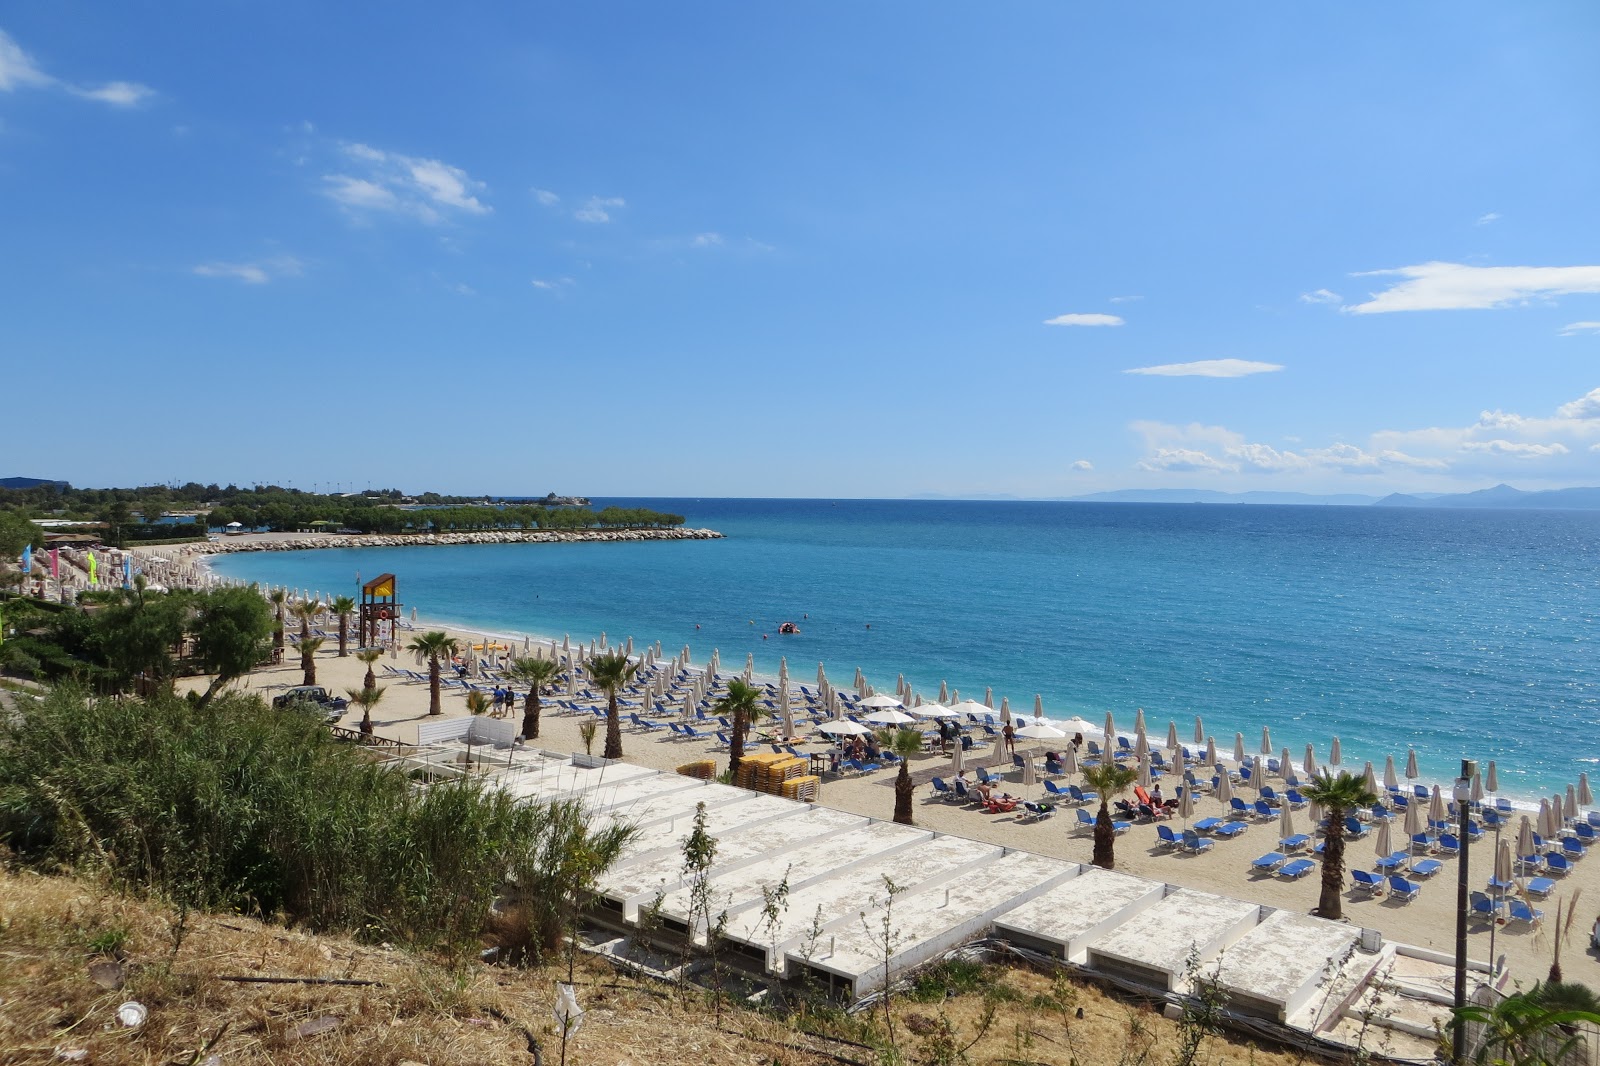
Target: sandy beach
[{"x": 1427, "y": 921}]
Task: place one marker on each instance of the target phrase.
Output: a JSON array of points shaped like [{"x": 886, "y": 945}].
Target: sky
[{"x": 821, "y": 250}]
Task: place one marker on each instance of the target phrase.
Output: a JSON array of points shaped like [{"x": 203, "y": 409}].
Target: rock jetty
[{"x": 381, "y": 540}]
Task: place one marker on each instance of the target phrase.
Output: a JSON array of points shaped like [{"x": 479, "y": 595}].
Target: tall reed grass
[{"x": 239, "y": 806}]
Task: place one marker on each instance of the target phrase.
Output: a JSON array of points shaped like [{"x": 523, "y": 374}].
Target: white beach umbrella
[
  {"x": 1141, "y": 746},
  {"x": 844, "y": 728},
  {"x": 572, "y": 684},
  {"x": 627, "y": 649},
  {"x": 988, "y": 698},
  {"x": 1138, "y": 720},
  {"x": 604, "y": 643},
  {"x": 1040, "y": 731},
  {"x": 1144, "y": 773},
  {"x": 649, "y": 702},
  {"x": 1224, "y": 791},
  {"x": 1391, "y": 780},
  {"x": 1211, "y": 752},
  {"x": 1111, "y": 729},
  {"x": 1477, "y": 788},
  {"x": 1524, "y": 836},
  {"x": 1005, "y": 709},
  {"x": 1382, "y": 843},
  {"x": 1199, "y": 731},
  {"x": 1172, "y": 736},
  {"x": 1258, "y": 773},
  {"x": 1238, "y": 748},
  {"x": 1186, "y": 805},
  {"x": 955, "y": 696},
  {"x": 1412, "y": 773},
  {"x": 1286, "y": 822},
  {"x": 1310, "y": 765},
  {"x": 1038, "y": 705},
  {"x": 968, "y": 707},
  {"x": 1334, "y": 756},
  {"x": 1266, "y": 741},
  {"x": 1286, "y": 767},
  {"x": 1069, "y": 762},
  {"x": 879, "y": 702},
  {"x": 1314, "y": 813},
  {"x": 1370, "y": 779},
  {"x": 1548, "y": 827},
  {"x": 933, "y": 710},
  {"x": 1075, "y": 724},
  {"x": 689, "y": 701},
  {"x": 1569, "y": 806},
  {"x": 944, "y": 692},
  {"x": 1504, "y": 866},
  {"x": 1585, "y": 797},
  {"x": 783, "y": 666},
  {"x": 889, "y": 716},
  {"x": 1436, "y": 808},
  {"x": 785, "y": 710},
  {"x": 822, "y": 676},
  {"x": 958, "y": 759},
  {"x": 1413, "y": 820},
  {"x": 1179, "y": 763},
  {"x": 900, "y": 685},
  {"x": 1030, "y": 776}
]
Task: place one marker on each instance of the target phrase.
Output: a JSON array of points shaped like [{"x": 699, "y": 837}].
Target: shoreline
[{"x": 256, "y": 542}]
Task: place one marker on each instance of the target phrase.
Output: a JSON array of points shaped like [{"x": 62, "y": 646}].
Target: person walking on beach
[{"x": 1008, "y": 736}]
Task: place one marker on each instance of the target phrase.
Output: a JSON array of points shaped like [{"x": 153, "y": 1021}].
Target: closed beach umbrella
[
  {"x": 1524, "y": 836},
  {"x": 749, "y": 667},
  {"x": 1030, "y": 776},
  {"x": 1138, "y": 721},
  {"x": 1038, "y": 705},
  {"x": 1314, "y": 812},
  {"x": 1391, "y": 780},
  {"x": 1585, "y": 797},
  {"x": 1186, "y": 805},
  {"x": 988, "y": 698},
  {"x": 1311, "y": 761},
  {"x": 1144, "y": 773},
  {"x": 1266, "y": 741},
  {"x": 1549, "y": 821},
  {"x": 958, "y": 759},
  {"x": 1383, "y": 844},
  {"x": 1569, "y": 808},
  {"x": 1111, "y": 729},
  {"x": 784, "y": 709},
  {"x": 1413, "y": 820},
  {"x": 1199, "y": 730},
  {"x": 955, "y": 696},
  {"x": 1412, "y": 773},
  {"x": 1286, "y": 766},
  {"x": 822, "y": 676},
  {"x": 1477, "y": 788},
  {"x": 1334, "y": 756},
  {"x": 1224, "y": 789},
  {"x": 688, "y": 704},
  {"x": 1069, "y": 761},
  {"x": 1141, "y": 746},
  {"x": 627, "y": 649},
  {"x": 1286, "y": 822},
  {"x": 1179, "y": 763},
  {"x": 1504, "y": 868},
  {"x": 1370, "y": 778},
  {"x": 1005, "y": 709},
  {"x": 1211, "y": 751},
  {"x": 1238, "y": 748},
  {"x": 1172, "y": 736},
  {"x": 1436, "y": 805},
  {"x": 944, "y": 692}
]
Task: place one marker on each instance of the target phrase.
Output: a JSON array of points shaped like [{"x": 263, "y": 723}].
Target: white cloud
[
  {"x": 18, "y": 70},
  {"x": 548, "y": 285},
  {"x": 1484, "y": 220},
  {"x": 1125, "y": 299},
  {"x": 1516, "y": 449},
  {"x": 1083, "y": 464},
  {"x": 1456, "y": 286},
  {"x": 1207, "y": 368},
  {"x": 1584, "y": 409},
  {"x": 1577, "y": 329},
  {"x": 706, "y": 240},
  {"x": 1084, "y": 320},
  {"x": 425, "y": 189},
  {"x": 1197, "y": 448},
  {"x": 546, "y": 197},
  {"x": 1320, "y": 296},
  {"x": 117, "y": 93},
  {"x": 598, "y": 208},
  {"x": 253, "y": 273}
]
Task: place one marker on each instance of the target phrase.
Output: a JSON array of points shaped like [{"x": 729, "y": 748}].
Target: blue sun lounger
[
  {"x": 1293, "y": 871},
  {"x": 1269, "y": 862}
]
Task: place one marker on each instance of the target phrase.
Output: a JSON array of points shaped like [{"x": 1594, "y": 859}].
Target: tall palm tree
[
  {"x": 366, "y": 699},
  {"x": 433, "y": 647},
  {"x": 279, "y": 598},
  {"x": 309, "y": 647},
  {"x": 1336, "y": 794},
  {"x": 369, "y": 656},
  {"x": 1109, "y": 780},
  {"x": 904, "y": 743},
  {"x": 611, "y": 671},
  {"x": 344, "y": 607},
  {"x": 743, "y": 704},
  {"x": 535, "y": 673},
  {"x": 306, "y": 610}
]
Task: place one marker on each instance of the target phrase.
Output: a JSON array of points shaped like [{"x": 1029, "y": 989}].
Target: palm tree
[
  {"x": 369, "y": 656},
  {"x": 1526, "y": 1029},
  {"x": 278, "y": 598},
  {"x": 309, "y": 646},
  {"x": 535, "y": 673},
  {"x": 344, "y": 607},
  {"x": 477, "y": 702},
  {"x": 743, "y": 704},
  {"x": 904, "y": 743},
  {"x": 1109, "y": 780},
  {"x": 366, "y": 698},
  {"x": 1336, "y": 795},
  {"x": 433, "y": 647},
  {"x": 305, "y": 610},
  {"x": 611, "y": 672}
]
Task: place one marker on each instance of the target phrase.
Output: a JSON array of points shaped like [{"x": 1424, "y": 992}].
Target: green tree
[
  {"x": 433, "y": 647},
  {"x": 477, "y": 702},
  {"x": 611, "y": 671},
  {"x": 1522, "y": 1030},
  {"x": 305, "y": 611},
  {"x": 344, "y": 607},
  {"x": 16, "y": 533},
  {"x": 1337, "y": 794},
  {"x": 116, "y": 515},
  {"x": 308, "y": 659},
  {"x": 231, "y": 632},
  {"x": 366, "y": 699},
  {"x": 279, "y": 598},
  {"x": 1110, "y": 780},
  {"x": 369, "y": 656},
  {"x": 743, "y": 705},
  {"x": 139, "y": 635},
  {"x": 535, "y": 673},
  {"x": 904, "y": 743}
]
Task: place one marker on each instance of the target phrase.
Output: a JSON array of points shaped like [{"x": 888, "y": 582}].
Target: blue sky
[{"x": 818, "y": 250}]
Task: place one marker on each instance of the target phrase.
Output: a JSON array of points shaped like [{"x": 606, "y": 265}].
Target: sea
[{"x": 1460, "y": 633}]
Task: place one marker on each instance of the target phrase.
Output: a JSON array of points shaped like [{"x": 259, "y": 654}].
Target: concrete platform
[
  {"x": 1275, "y": 968},
  {"x": 1068, "y": 918},
  {"x": 1155, "y": 945}
]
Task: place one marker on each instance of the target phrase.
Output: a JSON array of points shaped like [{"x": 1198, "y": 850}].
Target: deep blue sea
[{"x": 1464, "y": 633}]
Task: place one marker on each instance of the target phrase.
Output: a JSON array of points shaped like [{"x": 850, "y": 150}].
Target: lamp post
[{"x": 1463, "y": 797}]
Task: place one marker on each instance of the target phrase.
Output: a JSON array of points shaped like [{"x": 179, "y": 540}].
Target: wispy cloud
[
  {"x": 1207, "y": 368},
  {"x": 546, "y": 197},
  {"x": 425, "y": 189},
  {"x": 707, "y": 240},
  {"x": 1516, "y": 449},
  {"x": 1484, "y": 220},
  {"x": 1083, "y": 464},
  {"x": 258, "y": 272},
  {"x": 19, "y": 70},
  {"x": 1125, "y": 299},
  {"x": 1580, "y": 329},
  {"x": 1320, "y": 296},
  {"x": 552, "y": 285},
  {"x": 1456, "y": 286},
  {"x": 1198, "y": 448},
  {"x": 1091, "y": 319},
  {"x": 598, "y": 208}
]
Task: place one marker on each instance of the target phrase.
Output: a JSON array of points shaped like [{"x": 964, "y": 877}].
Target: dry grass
[{"x": 52, "y": 930}]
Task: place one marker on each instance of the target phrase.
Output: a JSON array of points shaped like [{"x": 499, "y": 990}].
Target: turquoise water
[{"x": 1464, "y": 633}]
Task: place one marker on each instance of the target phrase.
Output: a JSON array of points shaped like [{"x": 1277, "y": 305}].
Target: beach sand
[{"x": 1428, "y": 921}]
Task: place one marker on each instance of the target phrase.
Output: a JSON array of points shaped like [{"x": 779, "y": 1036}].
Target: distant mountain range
[
  {"x": 1504, "y": 497},
  {"x": 1501, "y": 497},
  {"x": 1349, "y": 499},
  {"x": 27, "y": 482}
]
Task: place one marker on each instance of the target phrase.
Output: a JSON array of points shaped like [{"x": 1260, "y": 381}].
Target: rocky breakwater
[{"x": 378, "y": 540}]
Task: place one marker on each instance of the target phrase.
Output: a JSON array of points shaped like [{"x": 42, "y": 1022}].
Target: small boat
[{"x": 788, "y": 627}]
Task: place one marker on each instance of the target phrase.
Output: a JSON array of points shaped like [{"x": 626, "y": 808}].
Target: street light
[{"x": 1463, "y": 797}]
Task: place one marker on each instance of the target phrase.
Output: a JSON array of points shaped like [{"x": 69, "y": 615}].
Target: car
[{"x": 333, "y": 707}]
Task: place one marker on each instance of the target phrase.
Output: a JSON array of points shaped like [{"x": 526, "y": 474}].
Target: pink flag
[{"x": 55, "y": 563}]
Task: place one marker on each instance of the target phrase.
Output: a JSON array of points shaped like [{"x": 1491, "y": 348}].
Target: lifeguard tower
[{"x": 380, "y": 611}]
